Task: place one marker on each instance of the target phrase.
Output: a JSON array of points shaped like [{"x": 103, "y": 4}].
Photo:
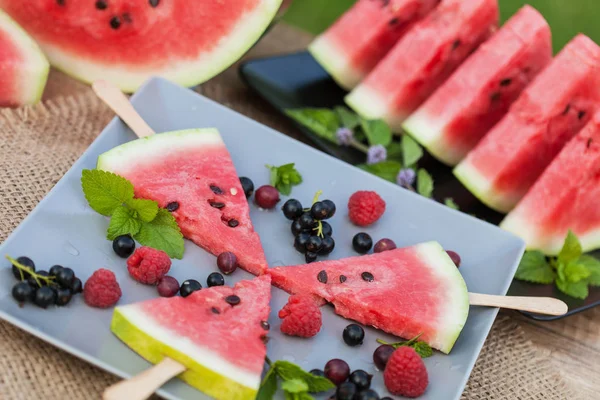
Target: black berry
[
  {"x": 167, "y": 286},
  {"x": 317, "y": 372},
  {"x": 65, "y": 277},
  {"x": 44, "y": 297},
  {"x": 297, "y": 228},
  {"x": 353, "y": 335},
  {"x": 310, "y": 257},
  {"x": 22, "y": 292},
  {"x": 292, "y": 209},
  {"x": 76, "y": 286},
  {"x": 55, "y": 269},
  {"x": 26, "y": 262},
  {"x": 215, "y": 279},
  {"x": 345, "y": 391},
  {"x": 318, "y": 211},
  {"x": 330, "y": 207},
  {"x": 362, "y": 243},
  {"x": 34, "y": 282},
  {"x": 300, "y": 242},
  {"x": 328, "y": 244},
  {"x": 188, "y": 287},
  {"x": 384, "y": 245},
  {"x": 326, "y": 229},
  {"x": 247, "y": 186},
  {"x": 63, "y": 296},
  {"x": 381, "y": 355},
  {"x": 368, "y": 394},
  {"x": 314, "y": 244},
  {"x": 123, "y": 246},
  {"x": 361, "y": 379},
  {"x": 227, "y": 262},
  {"x": 306, "y": 221},
  {"x": 337, "y": 370},
  {"x": 266, "y": 197}
]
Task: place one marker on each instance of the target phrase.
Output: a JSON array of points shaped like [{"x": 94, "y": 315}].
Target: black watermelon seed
[
  {"x": 101, "y": 5},
  {"x": 322, "y": 276},
  {"x": 265, "y": 325},
  {"x": 589, "y": 143},
  {"x": 367, "y": 276},
  {"x": 343, "y": 278},
  {"x": 505, "y": 82},
  {"x": 215, "y": 310},
  {"x": 233, "y": 223},
  {"x": 233, "y": 300},
  {"x": 216, "y": 189},
  {"x": 265, "y": 339},
  {"x": 115, "y": 22},
  {"x": 567, "y": 108},
  {"x": 172, "y": 206},
  {"x": 216, "y": 204},
  {"x": 455, "y": 44},
  {"x": 154, "y": 3},
  {"x": 127, "y": 18},
  {"x": 580, "y": 115},
  {"x": 495, "y": 96},
  {"x": 60, "y": 2},
  {"x": 394, "y": 21}
]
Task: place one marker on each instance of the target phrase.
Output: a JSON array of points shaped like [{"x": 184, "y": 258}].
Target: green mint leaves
[
  {"x": 295, "y": 382},
  {"x": 284, "y": 177},
  {"x": 572, "y": 271},
  {"x": 112, "y": 195},
  {"x": 424, "y": 183},
  {"x": 377, "y": 132},
  {"x": 411, "y": 152},
  {"x": 321, "y": 121},
  {"x": 422, "y": 348}
]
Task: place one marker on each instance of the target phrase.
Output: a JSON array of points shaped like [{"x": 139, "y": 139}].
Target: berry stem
[
  {"x": 400, "y": 344},
  {"x": 319, "y": 229},
  {"x": 317, "y": 195},
  {"x": 268, "y": 361},
  {"x": 22, "y": 268}
]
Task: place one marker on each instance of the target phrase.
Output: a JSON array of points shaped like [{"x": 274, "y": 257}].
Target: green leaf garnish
[
  {"x": 387, "y": 170},
  {"x": 535, "y": 268},
  {"x": 593, "y": 266},
  {"x": 105, "y": 191},
  {"x": 321, "y": 121},
  {"x": 449, "y": 202},
  {"x": 377, "y": 132},
  {"x": 162, "y": 233},
  {"x": 284, "y": 177},
  {"x": 347, "y": 118},
  {"x": 296, "y": 383},
  {"x": 423, "y": 349},
  {"x": 412, "y": 152},
  {"x": 123, "y": 222},
  {"x": 424, "y": 183}
]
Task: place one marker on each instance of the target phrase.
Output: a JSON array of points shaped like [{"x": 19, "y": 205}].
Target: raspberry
[
  {"x": 364, "y": 207},
  {"x": 301, "y": 317},
  {"x": 405, "y": 373},
  {"x": 102, "y": 289},
  {"x": 148, "y": 265}
]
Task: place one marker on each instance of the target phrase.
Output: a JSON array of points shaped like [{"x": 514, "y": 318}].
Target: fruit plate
[
  {"x": 296, "y": 81},
  {"x": 64, "y": 230}
]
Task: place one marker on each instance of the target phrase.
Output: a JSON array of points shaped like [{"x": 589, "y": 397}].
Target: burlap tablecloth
[{"x": 39, "y": 144}]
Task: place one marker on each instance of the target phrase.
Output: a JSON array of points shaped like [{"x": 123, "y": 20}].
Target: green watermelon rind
[
  {"x": 39, "y": 65},
  {"x": 335, "y": 63},
  {"x": 182, "y": 72},
  {"x": 220, "y": 386}
]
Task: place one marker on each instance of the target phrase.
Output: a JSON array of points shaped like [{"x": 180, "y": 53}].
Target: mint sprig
[
  {"x": 113, "y": 196},
  {"x": 572, "y": 271},
  {"x": 423, "y": 349},
  {"x": 284, "y": 177},
  {"x": 296, "y": 383}
]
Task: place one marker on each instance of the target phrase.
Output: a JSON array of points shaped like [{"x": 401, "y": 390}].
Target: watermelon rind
[
  {"x": 429, "y": 131},
  {"x": 35, "y": 69},
  {"x": 335, "y": 63},
  {"x": 206, "y": 370},
  {"x": 368, "y": 104},
  {"x": 187, "y": 73}
]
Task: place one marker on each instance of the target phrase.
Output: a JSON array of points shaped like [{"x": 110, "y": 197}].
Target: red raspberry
[
  {"x": 148, "y": 265},
  {"x": 405, "y": 373},
  {"x": 364, "y": 207},
  {"x": 102, "y": 289},
  {"x": 301, "y": 317}
]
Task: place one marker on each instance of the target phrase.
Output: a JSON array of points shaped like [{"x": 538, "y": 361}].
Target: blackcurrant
[
  {"x": 124, "y": 246},
  {"x": 22, "y": 292},
  {"x": 326, "y": 229},
  {"x": 44, "y": 297},
  {"x": 300, "y": 242},
  {"x": 310, "y": 257},
  {"x": 63, "y": 296},
  {"x": 314, "y": 244},
  {"x": 362, "y": 243},
  {"x": 337, "y": 370},
  {"x": 328, "y": 244},
  {"x": 34, "y": 283},
  {"x": 306, "y": 221},
  {"x": 318, "y": 211},
  {"x": 368, "y": 394},
  {"x": 330, "y": 207},
  {"x": 353, "y": 335},
  {"x": 26, "y": 262},
  {"x": 247, "y": 185},
  {"x": 345, "y": 391},
  {"x": 317, "y": 372},
  {"x": 188, "y": 287},
  {"x": 227, "y": 262},
  {"x": 215, "y": 279},
  {"x": 381, "y": 355},
  {"x": 55, "y": 269},
  {"x": 65, "y": 277},
  {"x": 292, "y": 209},
  {"x": 297, "y": 229},
  {"x": 76, "y": 286},
  {"x": 361, "y": 379}
]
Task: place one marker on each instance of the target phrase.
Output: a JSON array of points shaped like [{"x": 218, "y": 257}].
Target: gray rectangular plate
[{"x": 64, "y": 230}]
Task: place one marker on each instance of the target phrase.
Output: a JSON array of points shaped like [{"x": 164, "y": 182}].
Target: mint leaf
[
  {"x": 423, "y": 349},
  {"x": 348, "y": 118},
  {"x": 284, "y": 177},
  {"x": 288, "y": 371},
  {"x": 449, "y": 202},
  {"x": 424, "y": 183},
  {"x": 321, "y": 121},
  {"x": 571, "y": 249},
  {"x": 535, "y": 268},
  {"x": 394, "y": 151},
  {"x": 105, "y": 191},
  {"x": 377, "y": 132},
  {"x": 411, "y": 151},
  {"x": 162, "y": 233},
  {"x": 575, "y": 272},
  {"x": 268, "y": 387},
  {"x": 593, "y": 266},
  {"x": 578, "y": 290},
  {"x": 146, "y": 209},
  {"x": 387, "y": 170},
  {"x": 123, "y": 222},
  {"x": 294, "y": 386}
]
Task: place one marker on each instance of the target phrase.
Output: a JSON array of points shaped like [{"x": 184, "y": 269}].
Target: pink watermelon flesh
[
  {"x": 194, "y": 169},
  {"x": 557, "y": 104},
  {"x": 415, "y": 290},
  {"x": 222, "y": 345},
  {"x": 564, "y": 197},
  {"x": 451, "y": 122},
  {"x": 356, "y": 42},
  {"x": 423, "y": 59}
]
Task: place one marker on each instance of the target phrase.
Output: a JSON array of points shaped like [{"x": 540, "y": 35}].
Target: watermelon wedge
[
  {"x": 361, "y": 37},
  {"x": 193, "y": 169},
  {"x": 564, "y": 197},
  {"x": 23, "y": 67},
  {"x": 222, "y": 345},
  {"x": 423, "y": 59},
  {"x": 127, "y": 42},
  {"x": 451, "y": 122},
  {"x": 557, "y": 104},
  {"x": 405, "y": 292}
]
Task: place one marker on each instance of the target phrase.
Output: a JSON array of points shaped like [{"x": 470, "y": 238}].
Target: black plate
[{"x": 297, "y": 81}]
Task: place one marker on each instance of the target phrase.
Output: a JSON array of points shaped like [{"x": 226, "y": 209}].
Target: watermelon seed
[
  {"x": 580, "y": 115},
  {"x": 215, "y": 310},
  {"x": 343, "y": 278},
  {"x": 367, "y": 276},
  {"x": 154, "y": 3},
  {"x": 172, "y": 206},
  {"x": 322, "y": 276},
  {"x": 495, "y": 96},
  {"x": 115, "y": 22},
  {"x": 589, "y": 143},
  {"x": 394, "y": 21},
  {"x": 505, "y": 82},
  {"x": 567, "y": 108},
  {"x": 216, "y": 189},
  {"x": 216, "y": 204},
  {"x": 233, "y": 300},
  {"x": 101, "y": 5},
  {"x": 456, "y": 43},
  {"x": 265, "y": 325},
  {"x": 127, "y": 18},
  {"x": 233, "y": 223},
  {"x": 60, "y": 2}
]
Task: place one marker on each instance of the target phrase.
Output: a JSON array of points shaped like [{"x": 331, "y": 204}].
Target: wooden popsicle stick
[
  {"x": 539, "y": 305},
  {"x": 120, "y": 104},
  {"x": 142, "y": 386}
]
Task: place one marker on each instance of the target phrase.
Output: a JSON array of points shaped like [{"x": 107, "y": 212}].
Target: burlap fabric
[{"x": 38, "y": 145}]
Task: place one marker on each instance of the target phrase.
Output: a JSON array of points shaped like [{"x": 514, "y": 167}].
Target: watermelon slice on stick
[
  {"x": 23, "y": 67},
  {"x": 215, "y": 336},
  {"x": 127, "y": 42},
  {"x": 451, "y": 122},
  {"x": 192, "y": 171},
  {"x": 362, "y": 36},
  {"x": 564, "y": 198},
  {"x": 551, "y": 110},
  {"x": 423, "y": 59}
]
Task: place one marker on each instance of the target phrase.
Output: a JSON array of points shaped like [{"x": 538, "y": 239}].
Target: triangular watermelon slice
[
  {"x": 222, "y": 345},
  {"x": 405, "y": 292},
  {"x": 192, "y": 171},
  {"x": 564, "y": 198}
]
